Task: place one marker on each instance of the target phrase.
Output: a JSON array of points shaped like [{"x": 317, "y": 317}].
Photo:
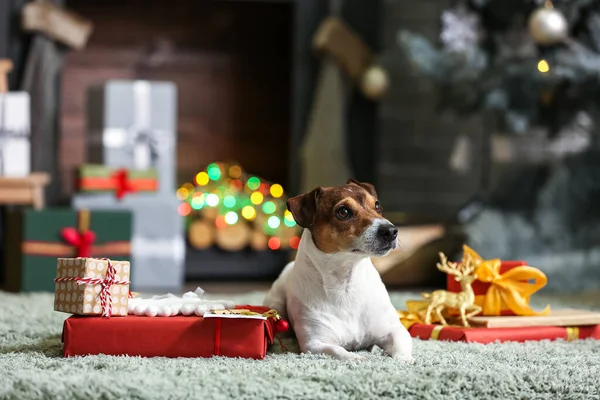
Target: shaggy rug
[{"x": 31, "y": 367}]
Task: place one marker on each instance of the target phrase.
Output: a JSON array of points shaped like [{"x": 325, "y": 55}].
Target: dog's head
[{"x": 345, "y": 218}]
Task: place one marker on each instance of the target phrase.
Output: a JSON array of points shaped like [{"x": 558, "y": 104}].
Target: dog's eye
[
  {"x": 343, "y": 213},
  {"x": 378, "y": 207}
]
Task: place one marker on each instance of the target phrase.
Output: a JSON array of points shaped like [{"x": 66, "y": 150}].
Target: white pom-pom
[
  {"x": 189, "y": 295},
  {"x": 140, "y": 309},
  {"x": 201, "y": 310},
  {"x": 151, "y": 311},
  {"x": 199, "y": 292},
  {"x": 131, "y": 308},
  {"x": 176, "y": 309},
  {"x": 164, "y": 311},
  {"x": 188, "y": 309}
]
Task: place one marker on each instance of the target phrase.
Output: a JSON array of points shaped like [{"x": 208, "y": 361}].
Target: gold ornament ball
[
  {"x": 374, "y": 82},
  {"x": 548, "y": 26}
]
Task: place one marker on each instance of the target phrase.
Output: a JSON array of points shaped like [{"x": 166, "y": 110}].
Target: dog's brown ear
[
  {"x": 367, "y": 186},
  {"x": 304, "y": 207}
]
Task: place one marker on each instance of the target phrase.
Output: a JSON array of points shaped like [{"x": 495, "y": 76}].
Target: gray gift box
[
  {"x": 157, "y": 245},
  {"x": 133, "y": 124}
]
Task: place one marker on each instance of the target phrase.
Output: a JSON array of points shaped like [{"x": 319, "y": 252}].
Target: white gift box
[
  {"x": 133, "y": 124},
  {"x": 15, "y": 134}
]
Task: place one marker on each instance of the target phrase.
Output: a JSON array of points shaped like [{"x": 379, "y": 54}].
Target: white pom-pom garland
[{"x": 169, "y": 305}]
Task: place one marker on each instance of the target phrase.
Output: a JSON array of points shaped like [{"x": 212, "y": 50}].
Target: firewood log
[
  {"x": 234, "y": 237},
  {"x": 201, "y": 234}
]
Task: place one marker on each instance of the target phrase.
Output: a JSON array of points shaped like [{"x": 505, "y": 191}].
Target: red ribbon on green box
[
  {"x": 79, "y": 242},
  {"x": 100, "y": 178}
]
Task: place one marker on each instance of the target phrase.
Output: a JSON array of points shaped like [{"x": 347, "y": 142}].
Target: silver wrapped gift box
[
  {"x": 133, "y": 124},
  {"x": 15, "y": 134},
  {"x": 158, "y": 244}
]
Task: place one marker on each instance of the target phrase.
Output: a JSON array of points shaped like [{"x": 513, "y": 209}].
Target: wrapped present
[
  {"x": 95, "y": 178},
  {"x": 416, "y": 310},
  {"x": 180, "y": 336},
  {"x": 560, "y": 324},
  {"x": 92, "y": 286},
  {"x": 491, "y": 335},
  {"x": 38, "y": 238},
  {"x": 133, "y": 125},
  {"x": 158, "y": 244},
  {"x": 503, "y": 287},
  {"x": 15, "y": 134}
]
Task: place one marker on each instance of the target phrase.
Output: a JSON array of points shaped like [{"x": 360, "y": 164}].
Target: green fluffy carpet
[{"x": 31, "y": 367}]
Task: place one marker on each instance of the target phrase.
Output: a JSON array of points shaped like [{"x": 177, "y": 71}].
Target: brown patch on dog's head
[{"x": 337, "y": 216}]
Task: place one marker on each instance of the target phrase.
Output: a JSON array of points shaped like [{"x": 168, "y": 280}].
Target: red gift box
[
  {"x": 491, "y": 335},
  {"x": 480, "y": 288},
  {"x": 178, "y": 336}
]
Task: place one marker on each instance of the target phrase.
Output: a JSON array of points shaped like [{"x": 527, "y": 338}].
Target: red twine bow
[
  {"x": 122, "y": 184},
  {"x": 107, "y": 282},
  {"x": 81, "y": 240}
]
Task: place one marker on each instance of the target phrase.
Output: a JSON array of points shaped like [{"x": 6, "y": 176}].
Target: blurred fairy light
[
  {"x": 249, "y": 213},
  {"x": 269, "y": 207},
  {"x": 543, "y": 66},
  {"x": 276, "y": 190},
  {"x": 182, "y": 193},
  {"x": 273, "y": 222},
  {"x": 235, "y": 171},
  {"x": 212, "y": 199},
  {"x": 253, "y": 183},
  {"x": 202, "y": 178},
  {"x": 256, "y": 198},
  {"x": 229, "y": 201},
  {"x": 231, "y": 217}
]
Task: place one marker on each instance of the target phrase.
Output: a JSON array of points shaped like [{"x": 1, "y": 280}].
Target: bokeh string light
[{"x": 225, "y": 194}]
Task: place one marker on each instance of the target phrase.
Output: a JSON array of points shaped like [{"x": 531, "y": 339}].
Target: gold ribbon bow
[
  {"x": 511, "y": 289},
  {"x": 414, "y": 313}
]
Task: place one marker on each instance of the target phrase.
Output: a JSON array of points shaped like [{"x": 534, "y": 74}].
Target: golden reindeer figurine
[{"x": 463, "y": 301}]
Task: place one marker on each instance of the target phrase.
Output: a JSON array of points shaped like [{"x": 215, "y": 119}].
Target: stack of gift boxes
[
  {"x": 125, "y": 206},
  {"x": 133, "y": 156},
  {"x": 495, "y": 297},
  {"x": 107, "y": 321}
]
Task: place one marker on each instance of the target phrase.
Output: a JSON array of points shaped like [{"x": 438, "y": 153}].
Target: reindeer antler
[
  {"x": 468, "y": 265},
  {"x": 446, "y": 266}
]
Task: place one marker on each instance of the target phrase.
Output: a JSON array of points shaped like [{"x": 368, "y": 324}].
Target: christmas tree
[
  {"x": 534, "y": 65},
  {"x": 533, "y": 62}
]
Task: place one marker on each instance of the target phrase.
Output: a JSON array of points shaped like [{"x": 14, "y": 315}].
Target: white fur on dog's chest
[
  {"x": 352, "y": 329},
  {"x": 348, "y": 312}
]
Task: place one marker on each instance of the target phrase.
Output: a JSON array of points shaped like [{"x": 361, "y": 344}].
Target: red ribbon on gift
[
  {"x": 107, "y": 282},
  {"x": 82, "y": 241},
  {"x": 122, "y": 184}
]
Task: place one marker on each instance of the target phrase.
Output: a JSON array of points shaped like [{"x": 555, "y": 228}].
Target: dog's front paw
[{"x": 405, "y": 358}]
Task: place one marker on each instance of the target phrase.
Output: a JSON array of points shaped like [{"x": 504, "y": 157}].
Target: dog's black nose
[{"x": 388, "y": 232}]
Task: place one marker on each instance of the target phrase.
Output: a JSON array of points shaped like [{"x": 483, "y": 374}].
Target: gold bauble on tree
[
  {"x": 374, "y": 82},
  {"x": 548, "y": 26}
]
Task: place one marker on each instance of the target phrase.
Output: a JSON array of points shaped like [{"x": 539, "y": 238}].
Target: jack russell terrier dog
[{"x": 332, "y": 294}]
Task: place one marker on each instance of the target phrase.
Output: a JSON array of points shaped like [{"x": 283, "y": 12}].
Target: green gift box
[
  {"x": 95, "y": 178},
  {"x": 38, "y": 238}
]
